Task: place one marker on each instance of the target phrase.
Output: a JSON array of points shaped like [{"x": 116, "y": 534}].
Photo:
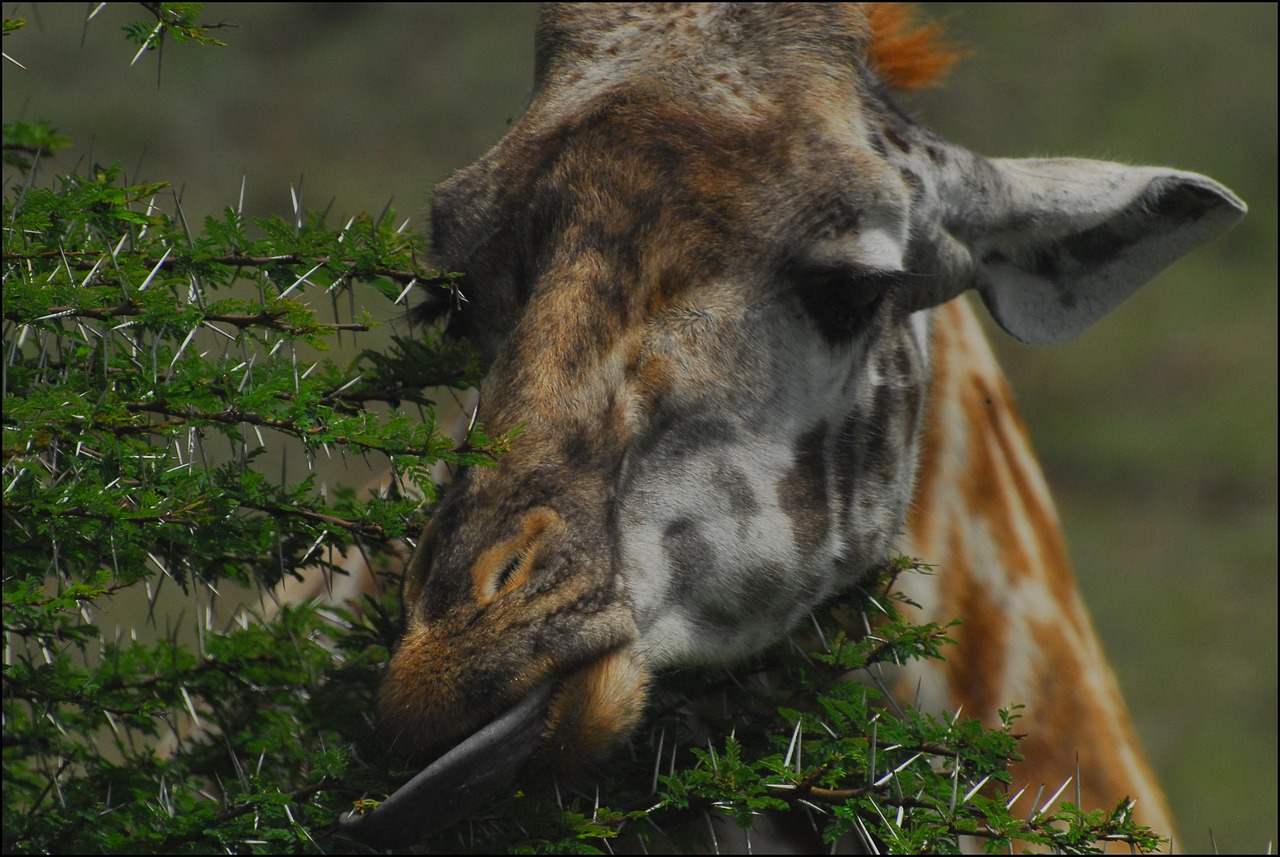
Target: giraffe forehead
[
  {"x": 732, "y": 56},
  {"x": 582, "y": 226},
  {"x": 751, "y": 126}
]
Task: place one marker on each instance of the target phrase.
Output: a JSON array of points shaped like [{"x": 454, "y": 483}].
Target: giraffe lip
[{"x": 459, "y": 782}]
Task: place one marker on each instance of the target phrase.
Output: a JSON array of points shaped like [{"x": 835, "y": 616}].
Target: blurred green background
[{"x": 1157, "y": 428}]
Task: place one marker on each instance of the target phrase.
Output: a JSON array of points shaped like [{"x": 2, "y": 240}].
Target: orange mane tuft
[{"x": 906, "y": 53}]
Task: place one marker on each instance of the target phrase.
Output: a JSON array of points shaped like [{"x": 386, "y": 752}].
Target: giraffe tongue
[{"x": 456, "y": 784}]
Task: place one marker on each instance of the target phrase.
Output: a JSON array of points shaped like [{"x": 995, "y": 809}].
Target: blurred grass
[{"x": 1157, "y": 428}]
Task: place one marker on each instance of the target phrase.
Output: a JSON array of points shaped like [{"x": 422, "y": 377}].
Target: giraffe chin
[
  {"x": 589, "y": 711},
  {"x": 593, "y": 710}
]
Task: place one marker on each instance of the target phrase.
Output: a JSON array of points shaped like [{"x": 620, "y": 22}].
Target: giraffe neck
[{"x": 983, "y": 516}]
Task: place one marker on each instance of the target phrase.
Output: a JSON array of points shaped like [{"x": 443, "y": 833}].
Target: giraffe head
[{"x": 699, "y": 270}]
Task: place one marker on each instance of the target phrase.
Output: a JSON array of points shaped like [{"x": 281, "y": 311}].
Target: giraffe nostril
[
  {"x": 507, "y": 565},
  {"x": 512, "y": 573}
]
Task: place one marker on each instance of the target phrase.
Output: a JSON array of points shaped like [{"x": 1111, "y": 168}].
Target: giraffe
[{"x": 714, "y": 240}]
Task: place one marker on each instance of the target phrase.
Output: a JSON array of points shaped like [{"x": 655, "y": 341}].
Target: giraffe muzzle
[
  {"x": 566, "y": 724},
  {"x": 460, "y": 781}
]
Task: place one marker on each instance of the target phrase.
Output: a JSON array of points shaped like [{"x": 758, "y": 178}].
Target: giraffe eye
[{"x": 840, "y": 299}]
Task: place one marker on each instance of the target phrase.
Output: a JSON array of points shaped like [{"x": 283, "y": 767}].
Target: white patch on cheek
[
  {"x": 882, "y": 248},
  {"x": 922, "y": 329}
]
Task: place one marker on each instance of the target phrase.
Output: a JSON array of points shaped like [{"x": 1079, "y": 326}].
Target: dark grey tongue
[{"x": 456, "y": 784}]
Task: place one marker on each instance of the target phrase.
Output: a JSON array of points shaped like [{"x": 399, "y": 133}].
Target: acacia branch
[
  {"x": 84, "y": 260},
  {"x": 264, "y": 318},
  {"x": 358, "y": 528},
  {"x": 234, "y": 416}
]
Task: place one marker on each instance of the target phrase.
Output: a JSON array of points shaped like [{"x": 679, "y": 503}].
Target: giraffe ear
[{"x": 1054, "y": 245}]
